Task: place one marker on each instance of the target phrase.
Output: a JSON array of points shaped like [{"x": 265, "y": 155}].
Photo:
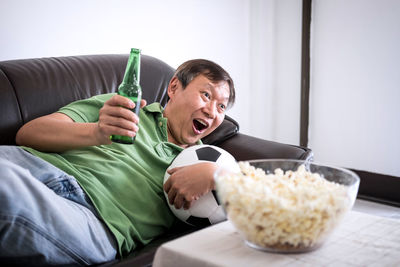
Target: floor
[{"x": 377, "y": 209}]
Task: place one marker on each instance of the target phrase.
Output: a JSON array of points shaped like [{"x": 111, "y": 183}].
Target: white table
[{"x": 361, "y": 240}]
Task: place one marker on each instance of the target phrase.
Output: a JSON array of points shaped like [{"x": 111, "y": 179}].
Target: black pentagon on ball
[
  {"x": 197, "y": 221},
  {"x": 208, "y": 154},
  {"x": 215, "y": 196}
]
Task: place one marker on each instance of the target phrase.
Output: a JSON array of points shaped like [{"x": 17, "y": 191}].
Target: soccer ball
[{"x": 206, "y": 210}]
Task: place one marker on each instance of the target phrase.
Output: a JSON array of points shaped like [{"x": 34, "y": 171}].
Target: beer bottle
[{"x": 131, "y": 89}]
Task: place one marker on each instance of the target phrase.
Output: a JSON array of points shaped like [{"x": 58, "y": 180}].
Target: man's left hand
[{"x": 187, "y": 184}]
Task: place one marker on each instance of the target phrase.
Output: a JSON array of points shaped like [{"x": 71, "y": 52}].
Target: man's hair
[{"x": 214, "y": 72}]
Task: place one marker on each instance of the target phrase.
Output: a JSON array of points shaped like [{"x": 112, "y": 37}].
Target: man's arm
[
  {"x": 187, "y": 184},
  {"x": 57, "y": 132}
]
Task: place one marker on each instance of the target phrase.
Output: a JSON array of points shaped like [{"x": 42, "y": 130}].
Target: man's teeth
[{"x": 203, "y": 123}]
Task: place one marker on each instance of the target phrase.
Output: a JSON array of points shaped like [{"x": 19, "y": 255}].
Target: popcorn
[{"x": 285, "y": 210}]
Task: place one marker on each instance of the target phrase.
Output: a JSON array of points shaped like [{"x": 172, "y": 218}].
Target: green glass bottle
[{"x": 130, "y": 88}]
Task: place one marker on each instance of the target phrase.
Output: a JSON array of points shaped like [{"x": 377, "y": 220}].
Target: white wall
[{"x": 355, "y": 85}]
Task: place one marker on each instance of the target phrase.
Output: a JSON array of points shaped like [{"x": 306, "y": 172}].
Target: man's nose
[{"x": 210, "y": 109}]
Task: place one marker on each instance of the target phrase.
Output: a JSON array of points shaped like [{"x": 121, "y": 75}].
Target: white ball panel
[
  {"x": 218, "y": 215},
  {"x": 204, "y": 206}
]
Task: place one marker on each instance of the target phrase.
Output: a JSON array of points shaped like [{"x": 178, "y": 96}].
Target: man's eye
[
  {"x": 222, "y": 106},
  {"x": 206, "y": 95}
]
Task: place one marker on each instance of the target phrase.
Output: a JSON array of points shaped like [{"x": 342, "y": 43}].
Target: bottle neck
[{"x": 132, "y": 72}]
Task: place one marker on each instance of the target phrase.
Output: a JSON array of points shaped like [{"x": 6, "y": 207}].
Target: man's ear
[{"x": 173, "y": 86}]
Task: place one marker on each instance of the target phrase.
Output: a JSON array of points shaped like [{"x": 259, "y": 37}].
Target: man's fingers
[
  {"x": 173, "y": 170},
  {"x": 118, "y": 100},
  {"x": 143, "y": 103},
  {"x": 115, "y": 130},
  {"x": 178, "y": 202},
  {"x": 116, "y": 118},
  {"x": 187, "y": 205},
  {"x": 121, "y": 123},
  {"x": 167, "y": 186},
  {"x": 112, "y": 112},
  {"x": 172, "y": 196}
]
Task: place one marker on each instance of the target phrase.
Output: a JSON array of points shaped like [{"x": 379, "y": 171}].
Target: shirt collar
[
  {"x": 154, "y": 108},
  {"x": 157, "y": 108}
]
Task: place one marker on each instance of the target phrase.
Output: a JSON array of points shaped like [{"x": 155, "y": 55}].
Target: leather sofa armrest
[
  {"x": 228, "y": 128},
  {"x": 245, "y": 147}
]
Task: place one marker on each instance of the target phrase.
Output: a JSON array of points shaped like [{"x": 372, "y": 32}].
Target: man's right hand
[{"x": 117, "y": 118}]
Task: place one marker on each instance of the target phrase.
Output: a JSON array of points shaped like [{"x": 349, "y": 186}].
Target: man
[{"x": 71, "y": 196}]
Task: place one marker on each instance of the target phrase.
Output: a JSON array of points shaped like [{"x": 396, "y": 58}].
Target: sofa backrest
[{"x": 30, "y": 88}]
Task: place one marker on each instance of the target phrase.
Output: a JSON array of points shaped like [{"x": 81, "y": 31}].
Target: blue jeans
[{"x": 45, "y": 216}]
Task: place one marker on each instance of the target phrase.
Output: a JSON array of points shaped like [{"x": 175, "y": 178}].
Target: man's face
[{"x": 195, "y": 111}]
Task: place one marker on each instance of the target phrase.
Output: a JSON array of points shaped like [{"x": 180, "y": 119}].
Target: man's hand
[
  {"x": 116, "y": 118},
  {"x": 187, "y": 184}
]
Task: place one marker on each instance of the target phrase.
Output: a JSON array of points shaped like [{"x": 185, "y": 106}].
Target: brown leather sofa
[{"x": 34, "y": 87}]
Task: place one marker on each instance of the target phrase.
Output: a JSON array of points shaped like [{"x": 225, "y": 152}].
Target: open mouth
[{"x": 199, "y": 125}]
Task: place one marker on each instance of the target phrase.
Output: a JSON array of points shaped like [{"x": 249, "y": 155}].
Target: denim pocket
[
  {"x": 64, "y": 186},
  {"x": 68, "y": 188}
]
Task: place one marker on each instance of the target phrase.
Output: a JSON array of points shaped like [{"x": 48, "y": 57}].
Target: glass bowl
[{"x": 286, "y": 206}]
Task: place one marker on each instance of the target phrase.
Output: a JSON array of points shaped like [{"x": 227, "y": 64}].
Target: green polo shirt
[{"x": 124, "y": 182}]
